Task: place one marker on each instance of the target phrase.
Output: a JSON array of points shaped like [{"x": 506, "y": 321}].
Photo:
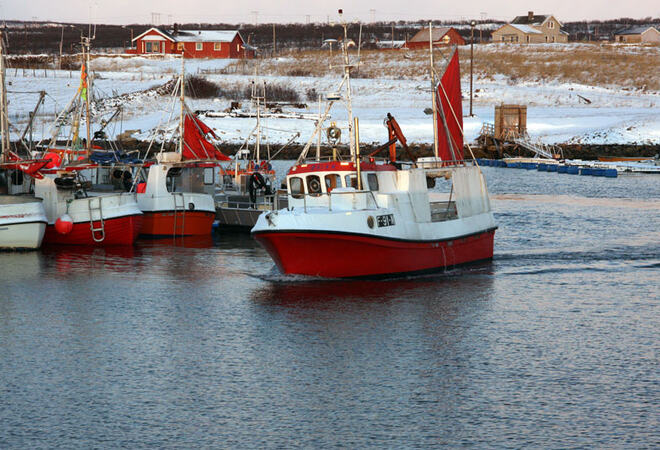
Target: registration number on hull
[{"x": 385, "y": 221}]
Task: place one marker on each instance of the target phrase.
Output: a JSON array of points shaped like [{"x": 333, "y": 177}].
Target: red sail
[
  {"x": 195, "y": 144},
  {"x": 448, "y": 100}
]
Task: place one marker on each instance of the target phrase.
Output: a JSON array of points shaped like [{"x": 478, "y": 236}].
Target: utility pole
[
  {"x": 472, "y": 25},
  {"x": 61, "y": 43}
]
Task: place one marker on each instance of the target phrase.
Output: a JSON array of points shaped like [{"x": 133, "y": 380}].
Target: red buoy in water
[{"x": 64, "y": 224}]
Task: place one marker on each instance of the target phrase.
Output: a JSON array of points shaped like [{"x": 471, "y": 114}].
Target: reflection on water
[{"x": 201, "y": 343}]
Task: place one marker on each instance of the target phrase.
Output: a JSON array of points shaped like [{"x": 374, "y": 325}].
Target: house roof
[
  {"x": 525, "y": 20},
  {"x": 423, "y": 35},
  {"x": 195, "y": 35},
  {"x": 634, "y": 30},
  {"x": 526, "y": 29}
]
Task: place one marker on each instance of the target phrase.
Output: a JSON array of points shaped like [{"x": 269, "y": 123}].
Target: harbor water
[{"x": 188, "y": 344}]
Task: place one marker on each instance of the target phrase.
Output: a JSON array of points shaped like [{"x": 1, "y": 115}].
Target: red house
[
  {"x": 441, "y": 37},
  {"x": 193, "y": 43}
]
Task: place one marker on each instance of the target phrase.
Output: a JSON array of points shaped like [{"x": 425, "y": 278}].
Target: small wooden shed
[{"x": 510, "y": 121}]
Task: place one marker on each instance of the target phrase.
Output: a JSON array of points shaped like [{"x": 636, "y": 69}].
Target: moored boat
[
  {"x": 22, "y": 222},
  {"x": 22, "y": 218},
  {"x": 173, "y": 199},
  {"x": 177, "y": 196},
  {"x": 77, "y": 216}
]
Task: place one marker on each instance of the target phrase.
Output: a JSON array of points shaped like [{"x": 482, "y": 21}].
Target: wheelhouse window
[
  {"x": 296, "y": 187},
  {"x": 172, "y": 180},
  {"x": 372, "y": 181},
  {"x": 208, "y": 175},
  {"x": 314, "y": 185},
  {"x": 351, "y": 181},
  {"x": 332, "y": 181},
  {"x": 199, "y": 46}
]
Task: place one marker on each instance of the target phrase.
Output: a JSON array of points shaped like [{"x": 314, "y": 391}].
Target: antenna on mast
[
  {"x": 183, "y": 82},
  {"x": 434, "y": 102}
]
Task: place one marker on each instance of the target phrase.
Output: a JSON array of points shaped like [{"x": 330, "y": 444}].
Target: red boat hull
[
  {"x": 162, "y": 223},
  {"x": 344, "y": 255},
  {"x": 118, "y": 231}
]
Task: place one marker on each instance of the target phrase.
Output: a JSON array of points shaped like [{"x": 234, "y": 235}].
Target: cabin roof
[{"x": 339, "y": 166}]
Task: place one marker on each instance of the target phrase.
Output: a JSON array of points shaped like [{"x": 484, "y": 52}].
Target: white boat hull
[{"x": 22, "y": 222}]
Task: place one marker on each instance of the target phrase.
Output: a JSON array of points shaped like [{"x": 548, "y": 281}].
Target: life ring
[
  {"x": 256, "y": 181},
  {"x": 314, "y": 186}
]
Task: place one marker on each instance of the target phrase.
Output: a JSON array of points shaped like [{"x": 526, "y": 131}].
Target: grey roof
[
  {"x": 524, "y": 20},
  {"x": 634, "y": 30}
]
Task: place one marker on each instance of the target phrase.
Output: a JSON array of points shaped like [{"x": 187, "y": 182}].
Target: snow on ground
[{"x": 556, "y": 111}]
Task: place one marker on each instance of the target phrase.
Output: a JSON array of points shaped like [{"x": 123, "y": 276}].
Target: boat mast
[
  {"x": 258, "y": 100},
  {"x": 347, "y": 77},
  {"x": 4, "y": 123},
  {"x": 86, "y": 47},
  {"x": 182, "y": 82},
  {"x": 433, "y": 97}
]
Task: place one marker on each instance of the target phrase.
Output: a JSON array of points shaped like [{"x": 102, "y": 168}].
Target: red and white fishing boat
[
  {"x": 77, "y": 216},
  {"x": 177, "y": 197},
  {"x": 173, "y": 199},
  {"x": 363, "y": 218}
]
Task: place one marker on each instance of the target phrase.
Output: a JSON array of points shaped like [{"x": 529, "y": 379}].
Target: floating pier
[{"x": 574, "y": 167}]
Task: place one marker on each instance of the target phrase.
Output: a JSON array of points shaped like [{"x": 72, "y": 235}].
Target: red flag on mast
[
  {"x": 450, "y": 130},
  {"x": 195, "y": 144}
]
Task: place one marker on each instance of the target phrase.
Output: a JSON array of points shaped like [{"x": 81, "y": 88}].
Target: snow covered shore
[{"x": 557, "y": 112}]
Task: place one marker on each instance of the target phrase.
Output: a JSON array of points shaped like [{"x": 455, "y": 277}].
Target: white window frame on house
[
  {"x": 217, "y": 46},
  {"x": 199, "y": 46},
  {"x": 551, "y": 24},
  {"x": 149, "y": 47}
]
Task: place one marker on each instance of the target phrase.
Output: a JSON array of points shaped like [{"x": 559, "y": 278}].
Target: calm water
[{"x": 554, "y": 344}]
